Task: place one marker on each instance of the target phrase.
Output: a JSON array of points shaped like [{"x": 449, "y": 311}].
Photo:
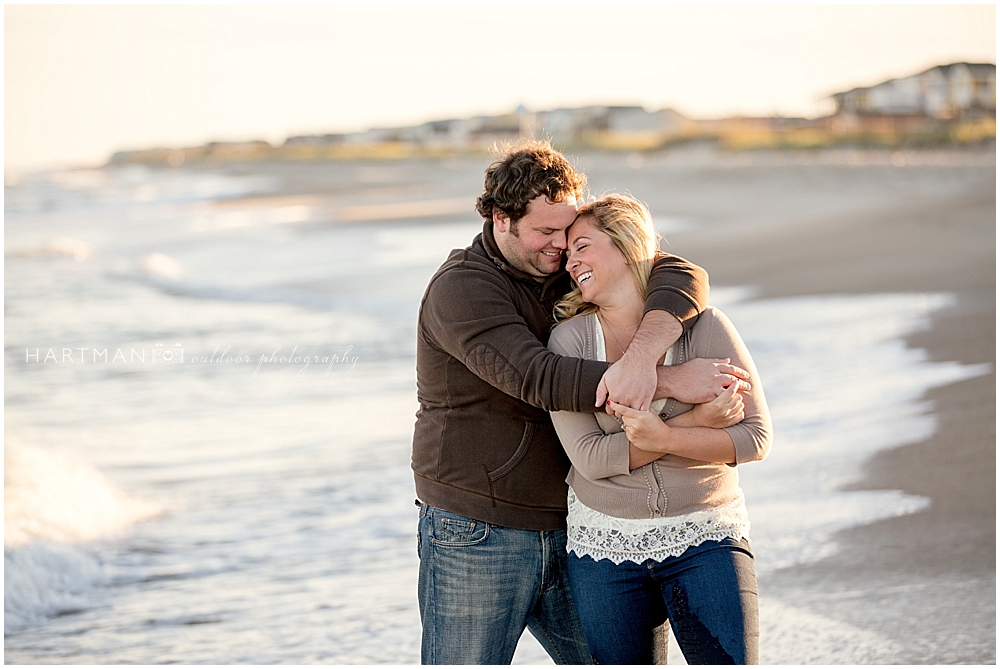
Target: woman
[{"x": 657, "y": 526}]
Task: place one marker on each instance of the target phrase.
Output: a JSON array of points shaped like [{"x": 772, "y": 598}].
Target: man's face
[{"x": 536, "y": 244}]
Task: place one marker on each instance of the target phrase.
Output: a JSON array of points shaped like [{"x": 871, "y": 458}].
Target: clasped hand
[{"x": 646, "y": 431}]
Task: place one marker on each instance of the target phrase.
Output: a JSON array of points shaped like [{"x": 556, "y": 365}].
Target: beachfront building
[
  {"x": 587, "y": 123},
  {"x": 213, "y": 152},
  {"x": 485, "y": 131},
  {"x": 561, "y": 125},
  {"x": 477, "y": 131},
  {"x": 959, "y": 90},
  {"x": 446, "y": 133},
  {"x": 638, "y": 120},
  {"x": 315, "y": 140}
]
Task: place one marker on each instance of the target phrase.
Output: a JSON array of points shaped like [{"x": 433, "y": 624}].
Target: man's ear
[{"x": 501, "y": 221}]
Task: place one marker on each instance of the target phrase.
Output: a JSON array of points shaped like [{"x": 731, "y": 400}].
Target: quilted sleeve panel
[{"x": 486, "y": 362}]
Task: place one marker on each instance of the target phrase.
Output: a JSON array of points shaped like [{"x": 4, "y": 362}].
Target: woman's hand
[
  {"x": 644, "y": 429},
  {"x": 724, "y": 411}
]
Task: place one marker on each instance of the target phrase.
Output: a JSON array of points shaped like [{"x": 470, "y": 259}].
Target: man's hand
[
  {"x": 632, "y": 381},
  {"x": 629, "y": 381},
  {"x": 700, "y": 380}
]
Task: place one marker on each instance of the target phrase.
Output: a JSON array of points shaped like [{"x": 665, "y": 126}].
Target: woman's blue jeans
[
  {"x": 709, "y": 593},
  {"x": 480, "y": 585}
]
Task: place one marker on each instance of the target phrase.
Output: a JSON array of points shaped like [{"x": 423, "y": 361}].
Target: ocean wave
[
  {"x": 831, "y": 365},
  {"x": 258, "y": 295},
  {"x": 57, "y": 247},
  {"x": 57, "y": 513},
  {"x": 160, "y": 264},
  {"x": 159, "y": 272}
]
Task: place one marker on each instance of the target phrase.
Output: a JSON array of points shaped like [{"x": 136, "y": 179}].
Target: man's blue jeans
[
  {"x": 480, "y": 585},
  {"x": 709, "y": 593}
]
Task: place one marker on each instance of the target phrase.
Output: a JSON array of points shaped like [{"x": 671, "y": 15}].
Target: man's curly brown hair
[{"x": 524, "y": 172}]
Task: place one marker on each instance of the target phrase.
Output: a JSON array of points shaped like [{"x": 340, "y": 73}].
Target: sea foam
[
  {"x": 831, "y": 369},
  {"x": 56, "y": 512}
]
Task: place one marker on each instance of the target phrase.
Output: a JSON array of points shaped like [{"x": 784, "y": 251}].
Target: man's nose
[{"x": 558, "y": 240}]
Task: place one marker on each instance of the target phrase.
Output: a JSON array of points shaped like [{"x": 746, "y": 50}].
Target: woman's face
[{"x": 595, "y": 263}]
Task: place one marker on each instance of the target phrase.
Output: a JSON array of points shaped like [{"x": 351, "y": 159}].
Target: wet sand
[
  {"x": 925, "y": 580},
  {"x": 811, "y": 223}
]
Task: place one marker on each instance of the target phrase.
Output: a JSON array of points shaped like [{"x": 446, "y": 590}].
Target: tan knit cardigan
[{"x": 672, "y": 485}]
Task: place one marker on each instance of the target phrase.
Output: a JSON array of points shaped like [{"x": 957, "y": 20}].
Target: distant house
[
  {"x": 445, "y": 133},
  {"x": 237, "y": 147},
  {"x": 377, "y": 135},
  {"x": 485, "y": 130},
  {"x": 942, "y": 92},
  {"x": 448, "y": 132},
  {"x": 574, "y": 123},
  {"x": 637, "y": 119},
  {"x": 571, "y": 123},
  {"x": 315, "y": 140}
]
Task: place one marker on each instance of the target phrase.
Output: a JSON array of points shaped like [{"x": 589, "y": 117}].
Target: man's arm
[
  {"x": 677, "y": 293},
  {"x": 633, "y": 381},
  {"x": 677, "y": 287},
  {"x": 743, "y": 417},
  {"x": 700, "y": 380},
  {"x": 469, "y": 314}
]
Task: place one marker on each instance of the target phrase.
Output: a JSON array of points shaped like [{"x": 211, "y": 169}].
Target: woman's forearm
[
  {"x": 686, "y": 419},
  {"x": 705, "y": 444},
  {"x": 700, "y": 443},
  {"x": 694, "y": 444},
  {"x": 653, "y": 440},
  {"x": 640, "y": 458}
]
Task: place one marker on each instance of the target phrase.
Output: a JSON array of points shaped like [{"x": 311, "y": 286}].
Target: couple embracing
[{"x": 562, "y": 347}]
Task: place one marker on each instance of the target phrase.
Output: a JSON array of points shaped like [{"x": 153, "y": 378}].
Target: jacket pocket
[{"x": 515, "y": 459}]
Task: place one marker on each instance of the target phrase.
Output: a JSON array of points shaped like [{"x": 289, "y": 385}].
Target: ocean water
[{"x": 208, "y": 412}]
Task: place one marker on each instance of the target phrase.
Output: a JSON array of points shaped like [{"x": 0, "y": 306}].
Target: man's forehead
[
  {"x": 542, "y": 203},
  {"x": 571, "y": 201}
]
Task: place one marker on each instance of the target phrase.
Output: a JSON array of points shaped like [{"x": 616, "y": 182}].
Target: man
[{"x": 488, "y": 466}]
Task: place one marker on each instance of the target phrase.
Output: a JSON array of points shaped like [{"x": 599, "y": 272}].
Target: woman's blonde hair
[{"x": 630, "y": 226}]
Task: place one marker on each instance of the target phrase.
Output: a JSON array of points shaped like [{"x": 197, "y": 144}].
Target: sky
[{"x": 82, "y": 81}]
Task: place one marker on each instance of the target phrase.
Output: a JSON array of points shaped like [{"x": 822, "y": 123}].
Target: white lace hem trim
[{"x": 593, "y": 534}]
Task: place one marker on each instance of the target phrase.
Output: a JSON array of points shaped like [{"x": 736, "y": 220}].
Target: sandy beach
[
  {"x": 815, "y": 223},
  {"x": 926, "y": 580},
  {"x": 858, "y": 222},
  {"x": 186, "y": 532}
]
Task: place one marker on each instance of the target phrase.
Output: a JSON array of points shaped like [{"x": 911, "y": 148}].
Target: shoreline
[
  {"x": 841, "y": 221},
  {"x": 913, "y": 588},
  {"x": 925, "y": 580},
  {"x": 844, "y": 222}
]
